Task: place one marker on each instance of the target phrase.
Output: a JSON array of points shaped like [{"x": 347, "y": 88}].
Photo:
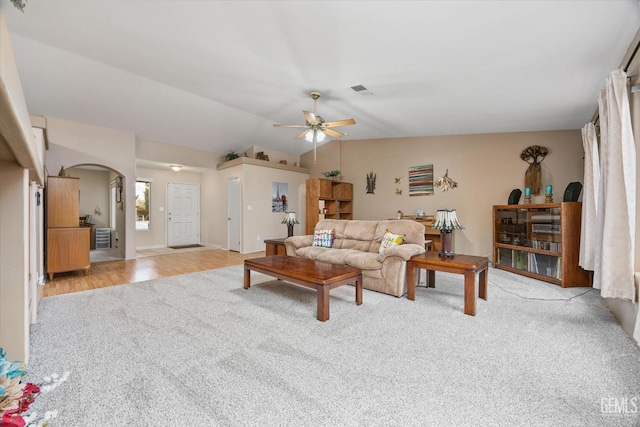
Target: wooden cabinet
[
  {"x": 327, "y": 199},
  {"x": 63, "y": 201},
  {"x": 540, "y": 241},
  {"x": 68, "y": 244},
  {"x": 68, "y": 249}
]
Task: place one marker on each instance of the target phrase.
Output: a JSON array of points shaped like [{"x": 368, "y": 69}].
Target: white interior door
[
  {"x": 183, "y": 214},
  {"x": 234, "y": 214}
]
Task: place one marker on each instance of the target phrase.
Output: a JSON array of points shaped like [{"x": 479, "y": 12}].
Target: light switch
[
  {"x": 249, "y": 207},
  {"x": 161, "y": 208}
]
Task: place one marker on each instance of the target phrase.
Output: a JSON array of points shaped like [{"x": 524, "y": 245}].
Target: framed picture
[
  {"x": 279, "y": 196},
  {"x": 421, "y": 180}
]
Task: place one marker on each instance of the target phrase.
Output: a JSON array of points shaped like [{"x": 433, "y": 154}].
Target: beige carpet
[{"x": 199, "y": 350}]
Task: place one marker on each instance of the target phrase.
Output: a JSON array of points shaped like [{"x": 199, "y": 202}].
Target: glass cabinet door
[
  {"x": 511, "y": 226},
  {"x": 529, "y": 239}
]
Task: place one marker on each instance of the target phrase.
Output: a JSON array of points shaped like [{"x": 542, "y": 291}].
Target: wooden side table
[
  {"x": 275, "y": 247},
  {"x": 468, "y": 265}
]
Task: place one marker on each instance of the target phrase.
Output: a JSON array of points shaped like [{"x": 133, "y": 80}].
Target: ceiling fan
[{"x": 316, "y": 128}]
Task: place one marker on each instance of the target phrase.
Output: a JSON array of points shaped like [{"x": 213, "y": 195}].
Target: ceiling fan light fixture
[
  {"x": 319, "y": 136},
  {"x": 316, "y": 128}
]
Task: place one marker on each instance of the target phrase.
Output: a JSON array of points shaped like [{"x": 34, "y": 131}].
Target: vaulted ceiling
[{"x": 217, "y": 75}]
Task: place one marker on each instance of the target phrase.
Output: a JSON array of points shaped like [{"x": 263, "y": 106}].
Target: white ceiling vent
[{"x": 361, "y": 89}]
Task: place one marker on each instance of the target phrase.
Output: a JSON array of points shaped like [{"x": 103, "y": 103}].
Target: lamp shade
[
  {"x": 446, "y": 220},
  {"x": 290, "y": 218}
]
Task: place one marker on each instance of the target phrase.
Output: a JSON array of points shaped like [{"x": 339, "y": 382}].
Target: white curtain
[
  {"x": 616, "y": 209},
  {"x": 591, "y": 187}
]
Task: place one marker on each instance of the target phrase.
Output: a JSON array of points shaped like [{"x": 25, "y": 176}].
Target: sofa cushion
[
  {"x": 336, "y": 256},
  {"x": 363, "y": 261},
  {"x": 323, "y": 237},
  {"x": 359, "y": 235},
  {"x": 390, "y": 239},
  {"x": 311, "y": 252}
]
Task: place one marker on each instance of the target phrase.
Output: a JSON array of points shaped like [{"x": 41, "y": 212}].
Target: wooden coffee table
[
  {"x": 321, "y": 276},
  {"x": 468, "y": 265}
]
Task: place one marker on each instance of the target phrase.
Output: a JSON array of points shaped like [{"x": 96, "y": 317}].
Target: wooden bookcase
[
  {"x": 540, "y": 241},
  {"x": 68, "y": 244},
  {"x": 327, "y": 199}
]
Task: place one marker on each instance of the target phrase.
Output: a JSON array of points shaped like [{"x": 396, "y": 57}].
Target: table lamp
[
  {"x": 290, "y": 220},
  {"x": 446, "y": 221}
]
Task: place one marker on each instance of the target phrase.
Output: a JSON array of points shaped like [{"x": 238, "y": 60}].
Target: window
[{"x": 143, "y": 202}]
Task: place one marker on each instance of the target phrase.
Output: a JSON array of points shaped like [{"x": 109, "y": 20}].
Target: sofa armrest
[
  {"x": 405, "y": 251},
  {"x": 293, "y": 243}
]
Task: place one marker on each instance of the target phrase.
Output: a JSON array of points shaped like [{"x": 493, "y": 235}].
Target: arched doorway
[{"x": 102, "y": 209}]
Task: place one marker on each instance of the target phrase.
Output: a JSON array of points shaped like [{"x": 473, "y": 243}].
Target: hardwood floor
[{"x": 111, "y": 273}]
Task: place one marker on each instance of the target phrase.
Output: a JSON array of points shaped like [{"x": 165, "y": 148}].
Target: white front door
[
  {"x": 183, "y": 214},
  {"x": 234, "y": 214}
]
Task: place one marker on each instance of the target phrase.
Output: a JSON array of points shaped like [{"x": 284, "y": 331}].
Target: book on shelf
[
  {"x": 559, "y": 268},
  {"x": 520, "y": 260},
  {"x": 547, "y": 246},
  {"x": 533, "y": 263}
]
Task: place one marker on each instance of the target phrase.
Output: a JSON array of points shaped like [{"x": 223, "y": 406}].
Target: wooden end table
[
  {"x": 321, "y": 276},
  {"x": 468, "y": 265},
  {"x": 275, "y": 247}
]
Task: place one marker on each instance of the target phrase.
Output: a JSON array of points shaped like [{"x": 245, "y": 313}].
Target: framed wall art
[
  {"x": 279, "y": 196},
  {"x": 421, "y": 180}
]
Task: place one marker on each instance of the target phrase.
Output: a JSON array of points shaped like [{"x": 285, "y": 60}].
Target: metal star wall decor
[
  {"x": 371, "y": 183},
  {"x": 445, "y": 182}
]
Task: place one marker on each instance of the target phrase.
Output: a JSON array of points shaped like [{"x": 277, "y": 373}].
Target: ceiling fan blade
[
  {"x": 333, "y": 133},
  {"x": 303, "y": 134},
  {"x": 346, "y": 122},
  {"x": 311, "y": 118},
  {"x": 288, "y": 126}
]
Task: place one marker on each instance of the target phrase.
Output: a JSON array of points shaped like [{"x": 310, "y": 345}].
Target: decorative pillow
[
  {"x": 389, "y": 239},
  {"x": 324, "y": 238}
]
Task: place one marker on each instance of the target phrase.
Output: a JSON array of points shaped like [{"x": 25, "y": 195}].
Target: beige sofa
[{"x": 357, "y": 243}]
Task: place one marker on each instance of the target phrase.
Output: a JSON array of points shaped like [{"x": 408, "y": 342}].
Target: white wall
[
  {"x": 156, "y": 236},
  {"x": 22, "y": 150},
  {"x": 14, "y": 259},
  {"x": 213, "y": 205},
  {"x": 486, "y": 167},
  {"x": 260, "y": 222},
  {"x": 72, "y": 143},
  {"x": 172, "y": 154},
  {"x": 15, "y": 125},
  {"x": 94, "y": 194}
]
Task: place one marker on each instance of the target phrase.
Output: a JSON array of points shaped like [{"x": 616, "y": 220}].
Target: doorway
[
  {"x": 100, "y": 210},
  {"x": 183, "y": 214},
  {"x": 234, "y": 214}
]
